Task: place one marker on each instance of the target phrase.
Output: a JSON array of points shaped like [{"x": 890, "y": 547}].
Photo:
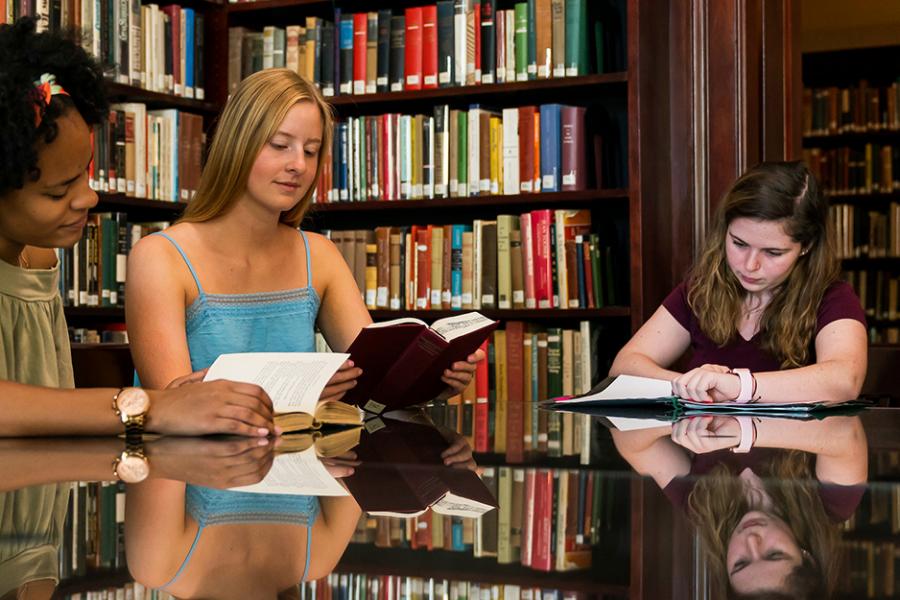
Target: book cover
[
  {"x": 360, "y": 31},
  {"x": 413, "y": 50},
  {"x": 488, "y": 41},
  {"x": 515, "y": 421},
  {"x": 429, "y": 46},
  {"x": 573, "y": 153},
  {"x": 558, "y": 35},
  {"x": 397, "y": 53},
  {"x": 347, "y": 70},
  {"x": 411, "y": 374},
  {"x": 446, "y": 39},
  {"x": 383, "y": 55},
  {"x": 371, "y": 52},
  {"x": 550, "y": 135}
]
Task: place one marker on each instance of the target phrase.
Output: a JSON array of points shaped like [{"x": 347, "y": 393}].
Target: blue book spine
[
  {"x": 579, "y": 268},
  {"x": 456, "y": 529},
  {"x": 345, "y": 38},
  {"x": 189, "y": 50},
  {"x": 456, "y": 263},
  {"x": 551, "y": 149}
]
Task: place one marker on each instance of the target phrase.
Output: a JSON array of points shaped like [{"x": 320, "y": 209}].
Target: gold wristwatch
[
  {"x": 131, "y": 405},
  {"x": 132, "y": 466}
]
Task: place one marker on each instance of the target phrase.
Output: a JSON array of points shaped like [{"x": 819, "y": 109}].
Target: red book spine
[
  {"x": 528, "y": 518},
  {"x": 528, "y": 259},
  {"x": 413, "y": 66},
  {"x": 588, "y": 274},
  {"x": 574, "y": 166},
  {"x": 541, "y": 552},
  {"x": 429, "y": 47},
  {"x": 526, "y": 149},
  {"x": 540, "y": 225},
  {"x": 482, "y": 409},
  {"x": 476, "y": 8},
  {"x": 384, "y": 160},
  {"x": 515, "y": 396},
  {"x": 360, "y": 29},
  {"x": 174, "y": 12}
]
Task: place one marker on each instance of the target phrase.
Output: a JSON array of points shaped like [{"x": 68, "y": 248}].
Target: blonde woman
[
  {"x": 235, "y": 274},
  {"x": 762, "y": 311}
]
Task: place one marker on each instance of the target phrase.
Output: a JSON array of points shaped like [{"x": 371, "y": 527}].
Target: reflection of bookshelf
[
  {"x": 870, "y": 552},
  {"x": 851, "y": 128}
]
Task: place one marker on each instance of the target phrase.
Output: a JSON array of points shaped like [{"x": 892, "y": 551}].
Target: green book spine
[
  {"x": 462, "y": 153},
  {"x": 595, "y": 269},
  {"x": 554, "y": 389},
  {"x": 521, "y": 41},
  {"x": 576, "y": 38},
  {"x": 598, "y": 45},
  {"x": 532, "y": 39}
]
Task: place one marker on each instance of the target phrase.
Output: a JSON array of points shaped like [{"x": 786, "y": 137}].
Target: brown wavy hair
[
  {"x": 771, "y": 191},
  {"x": 718, "y": 501},
  {"x": 250, "y": 118}
]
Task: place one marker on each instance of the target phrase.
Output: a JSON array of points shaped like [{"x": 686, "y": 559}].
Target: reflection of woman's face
[{"x": 762, "y": 551}]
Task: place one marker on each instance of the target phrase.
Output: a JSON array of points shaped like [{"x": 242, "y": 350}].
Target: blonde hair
[
  {"x": 784, "y": 192},
  {"x": 250, "y": 118},
  {"x": 718, "y": 501}
]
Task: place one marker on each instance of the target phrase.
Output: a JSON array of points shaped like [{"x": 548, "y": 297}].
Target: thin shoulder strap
[
  {"x": 188, "y": 262},
  {"x": 308, "y": 260},
  {"x": 190, "y": 553},
  {"x": 308, "y": 551}
]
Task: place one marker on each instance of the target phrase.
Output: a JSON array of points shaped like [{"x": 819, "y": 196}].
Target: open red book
[{"x": 403, "y": 360}]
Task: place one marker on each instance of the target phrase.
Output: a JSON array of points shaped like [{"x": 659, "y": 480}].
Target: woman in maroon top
[{"x": 762, "y": 310}]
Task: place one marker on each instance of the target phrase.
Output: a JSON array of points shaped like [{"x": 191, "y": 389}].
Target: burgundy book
[
  {"x": 403, "y": 360},
  {"x": 515, "y": 403},
  {"x": 401, "y": 472},
  {"x": 526, "y": 149},
  {"x": 574, "y": 165}
]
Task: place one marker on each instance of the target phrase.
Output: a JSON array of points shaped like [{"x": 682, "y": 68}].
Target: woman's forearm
[
  {"x": 634, "y": 363},
  {"x": 831, "y": 381},
  {"x": 27, "y": 410}
]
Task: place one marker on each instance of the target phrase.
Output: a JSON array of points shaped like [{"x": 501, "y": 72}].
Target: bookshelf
[{"x": 851, "y": 128}]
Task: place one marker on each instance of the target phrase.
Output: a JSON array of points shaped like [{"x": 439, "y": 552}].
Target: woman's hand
[
  {"x": 189, "y": 407},
  {"x": 211, "y": 463},
  {"x": 708, "y": 383},
  {"x": 342, "y": 465},
  {"x": 460, "y": 373},
  {"x": 341, "y": 382},
  {"x": 703, "y": 434}
]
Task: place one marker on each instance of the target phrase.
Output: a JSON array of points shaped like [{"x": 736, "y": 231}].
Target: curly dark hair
[{"x": 26, "y": 56}]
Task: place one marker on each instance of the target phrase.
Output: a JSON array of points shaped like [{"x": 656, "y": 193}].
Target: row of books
[
  {"x": 153, "y": 154},
  {"x": 158, "y": 49},
  {"x": 861, "y": 231},
  {"x": 92, "y": 272},
  {"x": 112, "y": 333},
  {"x": 878, "y": 292},
  {"x": 458, "y": 153},
  {"x": 867, "y": 169},
  {"x": 526, "y": 363},
  {"x": 449, "y": 43},
  {"x": 128, "y": 591},
  {"x": 541, "y": 259},
  {"x": 354, "y": 586},
  {"x": 548, "y": 520},
  {"x": 94, "y": 529},
  {"x": 879, "y": 511},
  {"x": 869, "y": 569},
  {"x": 862, "y": 107}
]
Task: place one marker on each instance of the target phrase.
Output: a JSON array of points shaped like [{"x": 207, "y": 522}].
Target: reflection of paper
[
  {"x": 299, "y": 473},
  {"x": 628, "y": 386},
  {"x": 293, "y": 380},
  {"x": 629, "y": 424}
]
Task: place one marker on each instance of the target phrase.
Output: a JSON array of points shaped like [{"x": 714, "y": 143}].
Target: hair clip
[{"x": 46, "y": 88}]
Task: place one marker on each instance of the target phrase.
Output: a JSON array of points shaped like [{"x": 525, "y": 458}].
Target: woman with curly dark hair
[{"x": 51, "y": 94}]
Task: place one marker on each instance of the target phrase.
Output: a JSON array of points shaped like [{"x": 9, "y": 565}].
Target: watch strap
[
  {"x": 746, "y": 425},
  {"x": 746, "y": 393}
]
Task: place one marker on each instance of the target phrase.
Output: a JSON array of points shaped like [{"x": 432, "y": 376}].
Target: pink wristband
[
  {"x": 746, "y": 424},
  {"x": 746, "y": 393}
]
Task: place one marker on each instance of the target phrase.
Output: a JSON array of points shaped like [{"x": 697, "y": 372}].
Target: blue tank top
[{"x": 282, "y": 321}]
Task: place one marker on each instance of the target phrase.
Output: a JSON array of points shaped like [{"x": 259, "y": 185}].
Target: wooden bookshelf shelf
[
  {"x": 241, "y": 7},
  {"x": 506, "y": 315},
  {"x": 874, "y": 198},
  {"x": 516, "y": 201},
  {"x": 97, "y": 580},
  {"x": 101, "y": 346},
  {"x": 461, "y": 566},
  {"x": 116, "y": 201},
  {"x": 478, "y": 93},
  {"x": 851, "y": 138},
  {"x": 130, "y": 93},
  {"x": 112, "y": 313},
  {"x": 869, "y": 262}
]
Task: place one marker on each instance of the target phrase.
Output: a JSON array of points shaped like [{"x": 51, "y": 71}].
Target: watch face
[
  {"x": 133, "y": 469},
  {"x": 133, "y": 401}
]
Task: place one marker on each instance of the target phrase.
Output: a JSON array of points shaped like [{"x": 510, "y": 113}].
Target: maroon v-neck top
[{"x": 839, "y": 302}]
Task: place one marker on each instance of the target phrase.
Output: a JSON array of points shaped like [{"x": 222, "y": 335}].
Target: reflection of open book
[
  {"x": 403, "y": 360},
  {"x": 623, "y": 394},
  {"x": 294, "y": 382},
  {"x": 298, "y": 473},
  {"x": 328, "y": 442},
  {"x": 401, "y": 473}
]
